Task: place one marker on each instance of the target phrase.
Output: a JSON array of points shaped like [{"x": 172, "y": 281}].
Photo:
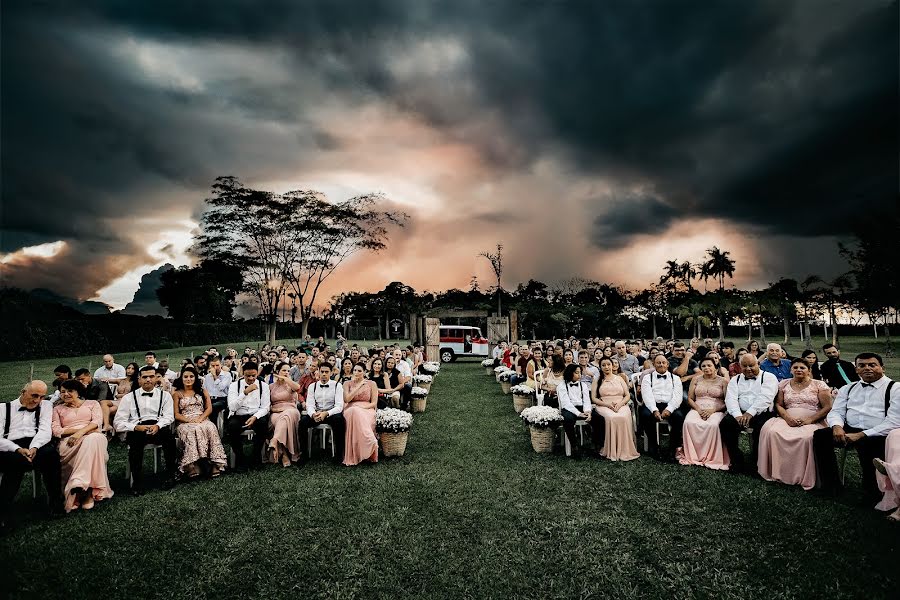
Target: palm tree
[
  {"x": 687, "y": 272},
  {"x": 718, "y": 265},
  {"x": 669, "y": 281},
  {"x": 830, "y": 294}
]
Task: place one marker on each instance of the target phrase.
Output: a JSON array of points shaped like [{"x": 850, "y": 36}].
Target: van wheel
[{"x": 447, "y": 355}]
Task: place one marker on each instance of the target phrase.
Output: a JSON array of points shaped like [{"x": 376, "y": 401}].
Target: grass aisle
[{"x": 470, "y": 511}]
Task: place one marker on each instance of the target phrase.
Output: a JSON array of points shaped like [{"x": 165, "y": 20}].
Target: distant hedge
[{"x": 96, "y": 334}]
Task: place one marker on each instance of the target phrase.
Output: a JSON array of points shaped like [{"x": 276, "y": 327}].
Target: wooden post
[
  {"x": 513, "y": 326},
  {"x": 433, "y": 339}
]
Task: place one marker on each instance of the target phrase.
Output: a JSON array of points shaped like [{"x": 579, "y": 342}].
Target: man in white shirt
[
  {"x": 498, "y": 351},
  {"x": 862, "y": 415},
  {"x": 574, "y": 403},
  {"x": 588, "y": 371},
  {"x": 405, "y": 375},
  {"x": 324, "y": 405},
  {"x": 24, "y": 446},
  {"x": 110, "y": 372},
  {"x": 145, "y": 415},
  {"x": 248, "y": 405},
  {"x": 748, "y": 405},
  {"x": 150, "y": 359},
  {"x": 216, "y": 382},
  {"x": 169, "y": 374},
  {"x": 660, "y": 388}
]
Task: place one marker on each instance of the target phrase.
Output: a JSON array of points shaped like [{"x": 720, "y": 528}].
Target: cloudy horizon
[{"x": 592, "y": 140}]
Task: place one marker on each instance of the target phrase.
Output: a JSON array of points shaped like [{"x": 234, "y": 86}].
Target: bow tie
[
  {"x": 324, "y": 384},
  {"x": 31, "y": 410},
  {"x": 574, "y": 384},
  {"x": 749, "y": 378},
  {"x": 864, "y": 385},
  {"x": 658, "y": 376},
  {"x": 147, "y": 394}
]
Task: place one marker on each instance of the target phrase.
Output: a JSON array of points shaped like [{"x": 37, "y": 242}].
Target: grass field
[{"x": 470, "y": 511}]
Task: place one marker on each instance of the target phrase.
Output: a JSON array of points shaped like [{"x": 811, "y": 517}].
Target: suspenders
[
  {"x": 6, "y": 424},
  {"x": 887, "y": 395},
  {"x": 138, "y": 408}
]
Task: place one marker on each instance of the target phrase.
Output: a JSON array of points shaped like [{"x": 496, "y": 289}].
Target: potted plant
[
  {"x": 523, "y": 397},
  {"x": 393, "y": 425},
  {"x": 488, "y": 365},
  {"x": 498, "y": 370},
  {"x": 419, "y": 398},
  {"x": 505, "y": 383},
  {"x": 542, "y": 421},
  {"x": 429, "y": 368},
  {"x": 423, "y": 381}
]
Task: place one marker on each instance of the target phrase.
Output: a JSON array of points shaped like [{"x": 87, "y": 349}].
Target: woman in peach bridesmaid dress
[
  {"x": 82, "y": 448},
  {"x": 786, "y": 444},
  {"x": 702, "y": 443},
  {"x": 609, "y": 394},
  {"x": 360, "y": 401},
  {"x": 284, "y": 421},
  {"x": 888, "y": 475}
]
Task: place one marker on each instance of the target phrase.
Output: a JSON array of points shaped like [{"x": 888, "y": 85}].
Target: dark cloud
[
  {"x": 145, "y": 301},
  {"x": 726, "y": 110}
]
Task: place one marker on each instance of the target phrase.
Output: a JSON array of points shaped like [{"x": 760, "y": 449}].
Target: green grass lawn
[{"x": 470, "y": 511}]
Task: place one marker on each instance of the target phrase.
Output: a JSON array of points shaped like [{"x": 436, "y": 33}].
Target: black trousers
[
  {"x": 731, "y": 431},
  {"x": 598, "y": 430},
  {"x": 569, "y": 419},
  {"x": 218, "y": 405},
  {"x": 676, "y": 426},
  {"x": 234, "y": 431},
  {"x": 138, "y": 440},
  {"x": 338, "y": 429},
  {"x": 826, "y": 462},
  {"x": 13, "y": 467}
]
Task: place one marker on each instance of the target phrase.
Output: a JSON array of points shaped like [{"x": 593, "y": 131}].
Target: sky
[{"x": 592, "y": 139}]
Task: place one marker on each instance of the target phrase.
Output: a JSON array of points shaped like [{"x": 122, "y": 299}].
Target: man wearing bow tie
[
  {"x": 862, "y": 415},
  {"x": 145, "y": 415},
  {"x": 324, "y": 405},
  {"x": 662, "y": 388},
  {"x": 248, "y": 403},
  {"x": 24, "y": 446},
  {"x": 748, "y": 405}
]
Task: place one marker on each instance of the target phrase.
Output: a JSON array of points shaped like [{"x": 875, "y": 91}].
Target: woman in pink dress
[
  {"x": 198, "y": 435},
  {"x": 888, "y": 475},
  {"x": 284, "y": 446},
  {"x": 609, "y": 394},
  {"x": 360, "y": 401},
  {"x": 786, "y": 444},
  {"x": 82, "y": 448},
  {"x": 702, "y": 443}
]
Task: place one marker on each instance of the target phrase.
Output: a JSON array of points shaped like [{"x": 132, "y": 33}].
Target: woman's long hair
[{"x": 178, "y": 384}]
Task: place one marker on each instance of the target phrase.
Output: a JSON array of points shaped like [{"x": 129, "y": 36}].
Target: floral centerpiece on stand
[
  {"x": 542, "y": 421},
  {"x": 419, "y": 398},
  {"x": 504, "y": 378},
  {"x": 523, "y": 397},
  {"x": 429, "y": 368},
  {"x": 488, "y": 365},
  {"x": 393, "y": 426},
  {"x": 423, "y": 381}
]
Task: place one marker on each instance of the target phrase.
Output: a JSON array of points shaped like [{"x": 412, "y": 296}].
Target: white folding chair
[
  {"x": 156, "y": 448},
  {"x": 539, "y": 393},
  {"x": 326, "y": 430},
  {"x": 580, "y": 424},
  {"x": 232, "y": 457},
  {"x": 34, "y": 478}
]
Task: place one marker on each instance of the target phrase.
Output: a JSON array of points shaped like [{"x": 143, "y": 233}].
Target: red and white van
[{"x": 462, "y": 340}]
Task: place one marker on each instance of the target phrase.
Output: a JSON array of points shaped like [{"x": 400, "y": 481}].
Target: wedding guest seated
[
  {"x": 628, "y": 363},
  {"x": 589, "y": 373},
  {"x": 110, "y": 373},
  {"x": 25, "y": 433},
  {"x": 786, "y": 444},
  {"x": 748, "y": 404},
  {"x": 836, "y": 372},
  {"x": 521, "y": 365},
  {"x": 683, "y": 365},
  {"x": 535, "y": 364},
  {"x": 345, "y": 373},
  {"x": 82, "y": 448},
  {"x": 405, "y": 377},
  {"x": 132, "y": 382},
  {"x": 775, "y": 364},
  {"x": 216, "y": 383},
  {"x": 360, "y": 402},
  {"x": 200, "y": 443},
  {"x": 145, "y": 416},
  {"x": 325, "y": 405},
  {"x": 248, "y": 406},
  {"x": 284, "y": 445},
  {"x": 863, "y": 414},
  {"x": 575, "y": 403},
  {"x": 702, "y": 443},
  {"x": 734, "y": 369},
  {"x": 93, "y": 389},
  {"x": 888, "y": 475},
  {"x": 161, "y": 381},
  {"x": 662, "y": 389},
  {"x": 60, "y": 374},
  {"x": 809, "y": 355},
  {"x": 612, "y": 426},
  {"x": 552, "y": 378},
  {"x": 720, "y": 370},
  {"x": 754, "y": 349}
]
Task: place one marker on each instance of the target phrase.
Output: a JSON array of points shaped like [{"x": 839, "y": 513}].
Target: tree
[
  {"x": 497, "y": 266},
  {"x": 784, "y": 295},
  {"x": 717, "y": 266},
  {"x": 202, "y": 294},
  {"x": 830, "y": 295}
]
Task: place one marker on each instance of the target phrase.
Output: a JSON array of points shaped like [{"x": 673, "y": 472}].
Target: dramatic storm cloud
[{"x": 591, "y": 138}]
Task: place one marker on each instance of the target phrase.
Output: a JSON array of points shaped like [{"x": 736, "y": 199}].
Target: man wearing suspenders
[
  {"x": 25, "y": 446},
  {"x": 662, "y": 388},
  {"x": 146, "y": 415},
  {"x": 248, "y": 405},
  {"x": 862, "y": 415},
  {"x": 748, "y": 405},
  {"x": 324, "y": 405}
]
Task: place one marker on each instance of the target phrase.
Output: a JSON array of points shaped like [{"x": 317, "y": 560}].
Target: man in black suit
[{"x": 836, "y": 372}]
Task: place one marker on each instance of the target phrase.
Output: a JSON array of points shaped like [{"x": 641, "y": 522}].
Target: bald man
[
  {"x": 748, "y": 405},
  {"x": 25, "y": 446},
  {"x": 110, "y": 372}
]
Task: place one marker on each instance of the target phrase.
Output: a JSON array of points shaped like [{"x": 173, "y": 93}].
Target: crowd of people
[
  {"x": 275, "y": 396},
  {"x": 795, "y": 410}
]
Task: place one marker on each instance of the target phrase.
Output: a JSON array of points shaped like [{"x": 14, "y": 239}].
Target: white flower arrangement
[
  {"x": 422, "y": 379},
  {"x": 541, "y": 416},
  {"x": 507, "y": 375},
  {"x": 418, "y": 392},
  {"x": 488, "y": 362},
  {"x": 430, "y": 368},
  {"x": 392, "y": 420},
  {"x": 501, "y": 368},
  {"x": 522, "y": 390}
]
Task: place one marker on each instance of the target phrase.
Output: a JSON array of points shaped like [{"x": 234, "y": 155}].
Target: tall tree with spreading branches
[{"x": 497, "y": 265}]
